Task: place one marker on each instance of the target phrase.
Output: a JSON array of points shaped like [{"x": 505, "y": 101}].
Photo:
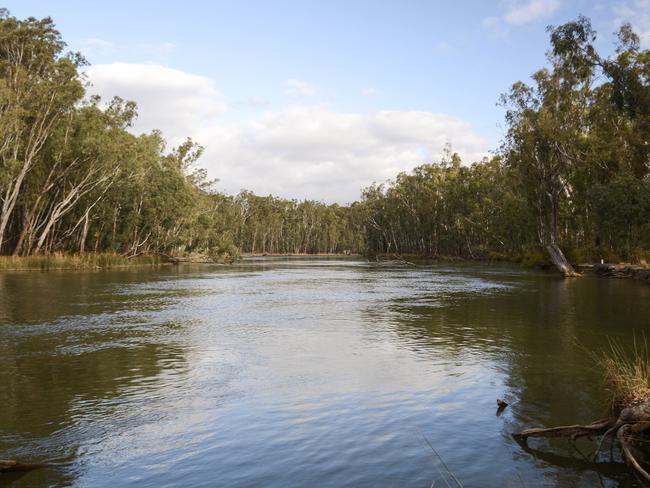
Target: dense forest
[{"x": 572, "y": 170}]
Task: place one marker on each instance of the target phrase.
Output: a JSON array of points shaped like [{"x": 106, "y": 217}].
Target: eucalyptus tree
[
  {"x": 547, "y": 124},
  {"x": 39, "y": 87}
]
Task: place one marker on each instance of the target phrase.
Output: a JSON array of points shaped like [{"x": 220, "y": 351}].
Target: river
[{"x": 280, "y": 373}]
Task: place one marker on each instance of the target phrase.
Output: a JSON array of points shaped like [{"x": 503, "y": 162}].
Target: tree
[{"x": 39, "y": 86}]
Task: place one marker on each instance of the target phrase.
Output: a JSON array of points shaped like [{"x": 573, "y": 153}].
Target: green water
[{"x": 301, "y": 373}]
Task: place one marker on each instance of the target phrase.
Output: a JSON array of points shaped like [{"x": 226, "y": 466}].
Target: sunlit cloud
[
  {"x": 518, "y": 13},
  {"x": 302, "y": 151}
]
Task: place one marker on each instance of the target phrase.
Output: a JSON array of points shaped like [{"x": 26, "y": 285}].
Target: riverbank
[
  {"x": 620, "y": 271},
  {"x": 110, "y": 260},
  {"x": 78, "y": 261},
  {"x": 636, "y": 272}
]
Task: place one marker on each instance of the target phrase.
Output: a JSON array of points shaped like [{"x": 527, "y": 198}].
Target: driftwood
[
  {"x": 560, "y": 262},
  {"x": 11, "y": 466},
  {"x": 634, "y": 419}
]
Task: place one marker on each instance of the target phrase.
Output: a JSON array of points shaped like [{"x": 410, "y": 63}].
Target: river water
[{"x": 282, "y": 373}]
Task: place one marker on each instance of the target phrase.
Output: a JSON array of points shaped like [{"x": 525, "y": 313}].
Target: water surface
[{"x": 284, "y": 373}]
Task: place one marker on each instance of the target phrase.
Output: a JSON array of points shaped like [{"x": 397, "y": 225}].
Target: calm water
[{"x": 302, "y": 373}]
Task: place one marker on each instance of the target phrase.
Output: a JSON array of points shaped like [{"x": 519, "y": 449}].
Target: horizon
[{"x": 314, "y": 101}]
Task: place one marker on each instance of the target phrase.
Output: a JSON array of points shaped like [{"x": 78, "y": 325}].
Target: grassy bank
[{"x": 77, "y": 261}]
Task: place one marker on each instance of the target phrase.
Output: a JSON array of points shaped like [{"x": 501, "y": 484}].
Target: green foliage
[
  {"x": 574, "y": 169},
  {"x": 446, "y": 209},
  {"x": 532, "y": 259}
]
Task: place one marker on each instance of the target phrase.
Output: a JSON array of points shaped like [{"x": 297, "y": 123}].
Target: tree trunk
[
  {"x": 560, "y": 262},
  {"x": 23, "y": 233},
  {"x": 84, "y": 235}
]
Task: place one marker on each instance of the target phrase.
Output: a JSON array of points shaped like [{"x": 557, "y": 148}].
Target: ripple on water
[{"x": 296, "y": 373}]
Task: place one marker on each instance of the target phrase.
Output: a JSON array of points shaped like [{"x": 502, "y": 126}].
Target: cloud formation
[
  {"x": 302, "y": 151},
  {"x": 300, "y": 88},
  {"x": 174, "y": 101},
  {"x": 519, "y": 13},
  {"x": 316, "y": 152}
]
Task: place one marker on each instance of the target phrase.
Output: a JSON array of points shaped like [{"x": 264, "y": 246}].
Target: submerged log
[
  {"x": 634, "y": 419},
  {"x": 560, "y": 262},
  {"x": 12, "y": 466}
]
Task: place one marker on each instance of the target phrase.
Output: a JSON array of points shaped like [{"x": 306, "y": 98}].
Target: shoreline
[
  {"x": 618, "y": 271},
  {"x": 106, "y": 261},
  {"x": 78, "y": 262}
]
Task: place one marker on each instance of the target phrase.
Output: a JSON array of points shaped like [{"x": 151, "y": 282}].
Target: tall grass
[
  {"x": 626, "y": 372},
  {"x": 76, "y": 261}
]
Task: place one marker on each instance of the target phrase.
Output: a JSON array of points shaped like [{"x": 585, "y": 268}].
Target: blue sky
[{"x": 279, "y": 91}]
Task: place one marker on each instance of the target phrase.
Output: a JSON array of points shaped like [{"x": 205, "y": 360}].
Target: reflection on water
[{"x": 292, "y": 373}]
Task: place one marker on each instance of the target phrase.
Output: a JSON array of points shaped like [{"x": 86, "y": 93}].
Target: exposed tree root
[
  {"x": 634, "y": 419},
  {"x": 624, "y": 434}
]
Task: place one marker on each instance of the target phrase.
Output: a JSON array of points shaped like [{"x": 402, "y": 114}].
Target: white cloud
[
  {"x": 519, "y": 13},
  {"x": 174, "y": 101},
  {"x": 300, "y": 151},
  {"x": 300, "y": 88},
  {"x": 316, "y": 152},
  {"x": 637, "y": 12}
]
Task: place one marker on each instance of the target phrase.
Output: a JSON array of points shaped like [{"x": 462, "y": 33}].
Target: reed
[{"x": 626, "y": 372}]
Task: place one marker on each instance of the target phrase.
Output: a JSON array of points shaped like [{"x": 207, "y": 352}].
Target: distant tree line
[{"x": 573, "y": 170}]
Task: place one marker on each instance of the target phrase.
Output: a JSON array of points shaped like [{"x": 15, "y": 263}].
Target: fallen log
[
  {"x": 560, "y": 262},
  {"x": 12, "y": 466}
]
